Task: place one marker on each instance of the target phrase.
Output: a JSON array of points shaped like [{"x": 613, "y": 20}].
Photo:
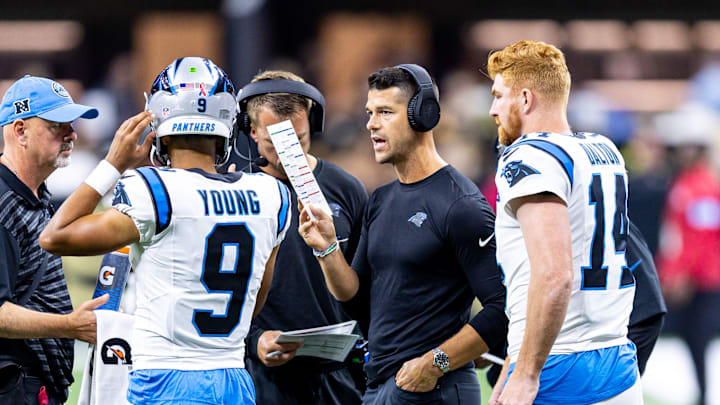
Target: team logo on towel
[{"x": 116, "y": 351}]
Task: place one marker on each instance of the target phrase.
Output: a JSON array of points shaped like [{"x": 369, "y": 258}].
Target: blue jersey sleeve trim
[
  {"x": 555, "y": 151},
  {"x": 160, "y": 197},
  {"x": 285, "y": 204}
]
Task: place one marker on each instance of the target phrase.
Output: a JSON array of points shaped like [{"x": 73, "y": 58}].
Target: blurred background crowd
[{"x": 646, "y": 74}]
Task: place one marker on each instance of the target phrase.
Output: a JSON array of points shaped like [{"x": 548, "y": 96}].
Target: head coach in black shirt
[
  {"x": 426, "y": 249},
  {"x": 298, "y": 297},
  {"x": 37, "y": 322}
]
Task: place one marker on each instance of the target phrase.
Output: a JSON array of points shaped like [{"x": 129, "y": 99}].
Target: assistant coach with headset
[
  {"x": 298, "y": 298},
  {"x": 426, "y": 249}
]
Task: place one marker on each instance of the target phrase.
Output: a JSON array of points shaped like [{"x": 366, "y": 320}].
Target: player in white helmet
[{"x": 203, "y": 244}]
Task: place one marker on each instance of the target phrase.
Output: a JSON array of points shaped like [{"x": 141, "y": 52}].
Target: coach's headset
[
  {"x": 316, "y": 115},
  {"x": 423, "y": 108},
  {"x": 317, "y": 109}
]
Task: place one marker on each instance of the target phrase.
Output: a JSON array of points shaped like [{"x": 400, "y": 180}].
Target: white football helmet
[{"x": 192, "y": 96}]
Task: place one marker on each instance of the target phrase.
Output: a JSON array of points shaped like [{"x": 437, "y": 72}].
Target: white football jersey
[
  {"x": 204, "y": 242},
  {"x": 588, "y": 173}
]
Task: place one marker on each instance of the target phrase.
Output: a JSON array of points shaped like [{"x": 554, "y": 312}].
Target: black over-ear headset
[
  {"x": 423, "y": 108},
  {"x": 317, "y": 109}
]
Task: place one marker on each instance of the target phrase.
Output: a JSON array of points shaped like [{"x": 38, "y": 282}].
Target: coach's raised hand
[
  {"x": 125, "y": 152},
  {"x": 318, "y": 233}
]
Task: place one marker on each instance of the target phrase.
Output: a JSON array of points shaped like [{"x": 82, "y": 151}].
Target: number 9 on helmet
[{"x": 192, "y": 96}]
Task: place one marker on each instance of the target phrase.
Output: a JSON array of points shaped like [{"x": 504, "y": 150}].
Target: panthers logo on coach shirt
[{"x": 418, "y": 219}]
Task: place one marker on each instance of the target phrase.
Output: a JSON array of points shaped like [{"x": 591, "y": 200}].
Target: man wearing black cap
[{"x": 37, "y": 322}]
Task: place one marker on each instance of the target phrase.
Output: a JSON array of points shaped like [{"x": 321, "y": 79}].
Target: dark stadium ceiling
[
  {"x": 285, "y": 27},
  {"x": 439, "y": 11}
]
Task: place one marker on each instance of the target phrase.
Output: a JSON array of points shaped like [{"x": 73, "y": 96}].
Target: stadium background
[{"x": 633, "y": 65}]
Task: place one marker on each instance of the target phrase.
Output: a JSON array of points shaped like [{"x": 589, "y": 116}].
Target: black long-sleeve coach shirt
[{"x": 426, "y": 249}]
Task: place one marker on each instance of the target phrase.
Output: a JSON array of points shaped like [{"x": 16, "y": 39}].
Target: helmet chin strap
[
  {"x": 221, "y": 159},
  {"x": 155, "y": 154}
]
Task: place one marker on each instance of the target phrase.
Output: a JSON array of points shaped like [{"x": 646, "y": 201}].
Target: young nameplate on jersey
[{"x": 202, "y": 244}]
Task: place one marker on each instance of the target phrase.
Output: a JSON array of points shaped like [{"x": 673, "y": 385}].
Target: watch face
[{"x": 441, "y": 360}]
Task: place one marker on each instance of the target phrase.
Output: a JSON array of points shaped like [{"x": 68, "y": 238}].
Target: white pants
[{"x": 631, "y": 396}]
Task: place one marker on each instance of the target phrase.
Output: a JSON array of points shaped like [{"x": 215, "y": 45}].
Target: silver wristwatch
[{"x": 441, "y": 360}]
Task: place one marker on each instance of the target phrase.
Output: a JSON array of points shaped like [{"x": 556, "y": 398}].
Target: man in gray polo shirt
[{"x": 37, "y": 322}]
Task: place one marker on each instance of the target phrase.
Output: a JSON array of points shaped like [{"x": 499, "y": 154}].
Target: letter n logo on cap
[{"x": 22, "y": 106}]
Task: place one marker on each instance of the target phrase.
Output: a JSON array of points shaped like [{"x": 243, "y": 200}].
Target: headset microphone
[{"x": 261, "y": 161}]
